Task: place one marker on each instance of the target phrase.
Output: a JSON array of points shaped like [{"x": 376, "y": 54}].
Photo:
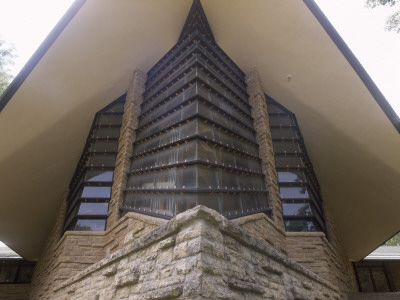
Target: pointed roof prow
[{"x": 196, "y": 20}]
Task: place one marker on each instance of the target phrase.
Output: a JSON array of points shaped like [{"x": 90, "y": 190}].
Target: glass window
[
  {"x": 104, "y": 146},
  {"x": 94, "y": 159},
  {"x": 365, "y": 280},
  {"x": 379, "y": 277},
  {"x": 106, "y": 132},
  {"x": 231, "y": 204},
  {"x": 280, "y": 120},
  {"x": 274, "y": 108},
  {"x": 207, "y": 178},
  {"x": 166, "y": 179},
  {"x": 291, "y": 176},
  {"x": 286, "y": 146},
  {"x": 102, "y": 160},
  {"x": 188, "y": 177},
  {"x": 99, "y": 176},
  {"x": 288, "y": 162},
  {"x": 185, "y": 201},
  {"x": 25, "y": 274},
  {"x": 96, "y": 192},
  {"x": 163, "y": 204},
  {"x": 206, "y": 152},
  {"x": 372, "y": 276},
  {"x": 88, "y": 208},
  {"x": 300, "y": 225},
  {"x": 90, "y": 225},
  {"x": 8, "y": 273},
  {"x": 293, "y": 192},
  {"x": 250, "y": 202},
  {"x": 296, "y": 209},
  {"x": 210, "y": 200},
  {"x": 110, "y": 119},
  {"x": 283, "y": 133},
  {"x": 118, "y": 107}
]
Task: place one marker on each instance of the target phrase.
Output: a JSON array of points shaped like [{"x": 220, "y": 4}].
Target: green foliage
[
  {"x": 6, "y": 59},
  {"x": 394, "y": 241},
  {"x": 393, "y": 22}
]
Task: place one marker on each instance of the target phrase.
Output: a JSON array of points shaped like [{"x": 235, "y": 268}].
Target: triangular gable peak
[{"x": 196, "y": 20}]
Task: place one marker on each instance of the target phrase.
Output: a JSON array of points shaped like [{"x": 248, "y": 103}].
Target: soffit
[{"x": 351, "y": 142}]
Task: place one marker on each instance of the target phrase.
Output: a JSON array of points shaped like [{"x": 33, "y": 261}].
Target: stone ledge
[
  {"x": 312, "y": 234},
  {"x": 305, "y": 234},
  {"x": 256, "y": 217},
  {"x": 184, "y": 219},
  {"x": 77, "y": 233}
]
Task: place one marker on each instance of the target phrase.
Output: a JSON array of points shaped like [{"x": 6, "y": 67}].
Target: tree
[
  {"x": 393, "y": 241},
  {"x": 393, "y": 22},
  {"x": 6, "y": 59}
]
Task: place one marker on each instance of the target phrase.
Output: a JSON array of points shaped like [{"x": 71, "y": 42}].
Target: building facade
[{"x": 194, "y": 184}]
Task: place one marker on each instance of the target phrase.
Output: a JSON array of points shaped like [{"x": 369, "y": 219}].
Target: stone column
[
  {"x": 134, "y": 99},
  {"x": 263, "y": 135}
]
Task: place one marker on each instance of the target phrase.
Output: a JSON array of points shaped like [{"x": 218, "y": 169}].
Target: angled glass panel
[
  {"x": 296, "y": 209},
  {"x": 293, "y": 192},
  {"x": 280, "y": 120},
  {"x": 291, "y": 177},
  {"x": 106, "y": 132},
  {"x": 96, "y": 192},
  {"x": 300, "y": 225},
  {"x": 99, "y": 175},
  {"x": 90, "y": 225},
  {"x": 89, "y": 208}
]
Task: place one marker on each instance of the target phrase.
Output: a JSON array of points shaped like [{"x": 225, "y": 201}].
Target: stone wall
[
  {"x": 263, "y": 228},
  {"x": 14, "y": 291},
  {"x": 197, "y": 255},
  {"x": 260, "y": 116},
  {"x": 130, "y": 122},
  {"x": 78, "y": 250},
  {"x": 312, "y": 250}
]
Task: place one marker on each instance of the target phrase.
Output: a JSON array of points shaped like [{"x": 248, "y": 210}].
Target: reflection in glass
[
  {"x": 88, "y": 208},
  {"x": 210, "y": 200},
  {"x": 101, "y": 160},
  {"x": 299, "y": 225},
  {"x": 293, "y": 192},
  {"x": 286, "y": 146},
  {"x": 106, "y": 132},
  {"x": 96, "y": 165},
  {"x": 280, "y": 120},
  {"x": 90, "y": 225},
  {"x": 25, "y": 274},
  {"x": 380, "y": 280},
  {"x": 110, "y": 119},
  {"x": 8, "y": 273},
  {"x": 104, "y": 146},
  {"x": 292, "y": 176},
  {"x": 284, "y": 133},
  {"x": 288, "y": 162},
  {"x": 99, "y": 176},
  {"x": 365, "y": 280},
  {"x": 296, "y": 209},
  {"x": 96, "y": 192}
]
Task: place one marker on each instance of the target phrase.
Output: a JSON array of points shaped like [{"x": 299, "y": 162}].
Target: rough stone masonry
[{"x": 197, "y": 255}]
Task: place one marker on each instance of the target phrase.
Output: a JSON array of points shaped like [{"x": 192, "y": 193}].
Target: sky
[{"x": 26, "y": 23}]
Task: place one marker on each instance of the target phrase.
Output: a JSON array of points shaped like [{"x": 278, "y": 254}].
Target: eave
[{"x": 87, "y": 62}]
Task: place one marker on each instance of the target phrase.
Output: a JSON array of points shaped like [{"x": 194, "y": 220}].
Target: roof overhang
[
  {"x": 88, "y": 61},
  {"x": 387, "y": 253}
]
